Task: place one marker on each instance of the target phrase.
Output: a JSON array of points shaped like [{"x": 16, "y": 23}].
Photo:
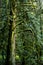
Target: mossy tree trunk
[{"x": 10, "y": 58}]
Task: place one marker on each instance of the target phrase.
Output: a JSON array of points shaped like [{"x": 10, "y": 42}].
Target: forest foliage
[{"x": 21, "y": 32}]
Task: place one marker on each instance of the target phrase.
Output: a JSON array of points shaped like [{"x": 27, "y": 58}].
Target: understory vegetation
[{"x": 21, "y": 32}]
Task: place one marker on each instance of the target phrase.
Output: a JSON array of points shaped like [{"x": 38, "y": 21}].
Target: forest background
[{"x": 21, "y": 32}]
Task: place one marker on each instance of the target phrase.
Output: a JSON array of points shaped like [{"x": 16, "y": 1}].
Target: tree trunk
[
  {"x": 10, "y": 58},
  {"x": 13, "y": 45}
]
